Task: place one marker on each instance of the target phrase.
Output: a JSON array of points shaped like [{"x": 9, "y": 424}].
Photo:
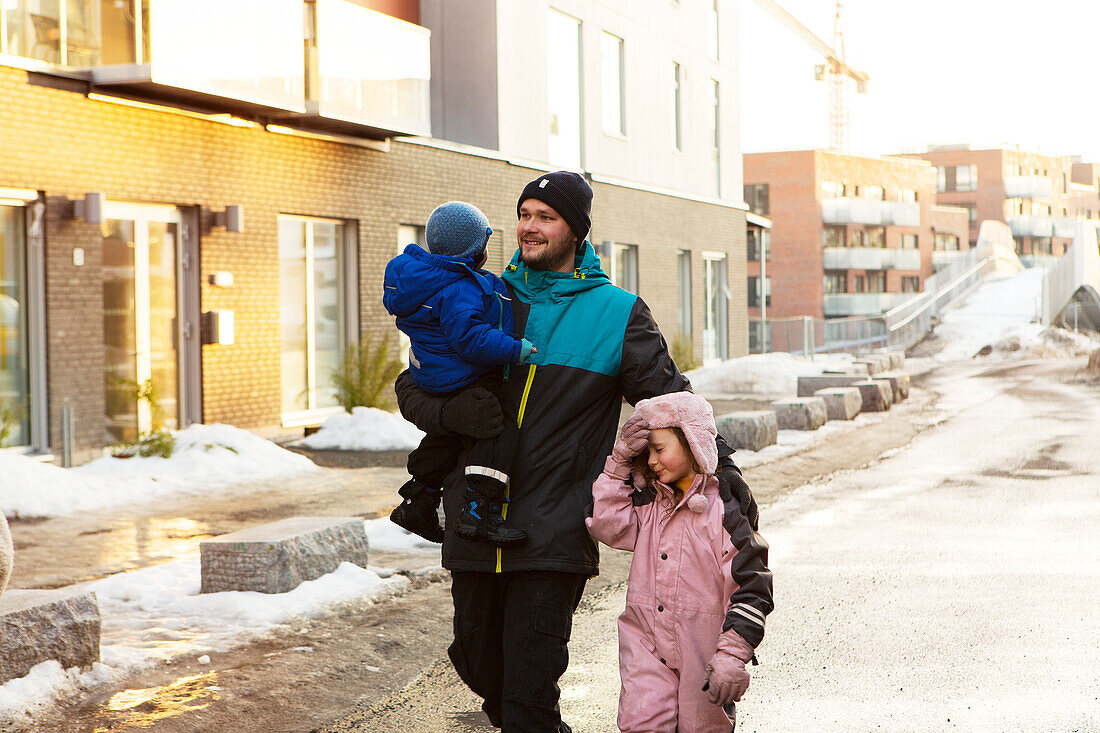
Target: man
[{"x": 597, "y": 344}]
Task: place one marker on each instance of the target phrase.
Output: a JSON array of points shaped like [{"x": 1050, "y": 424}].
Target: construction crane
[{"x": 833, "y": 70}]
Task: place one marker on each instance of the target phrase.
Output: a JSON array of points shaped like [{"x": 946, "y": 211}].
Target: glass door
[
  {"x": 14, "y": 426},
  {"x": 141, "y": 321},
  {"x": 715, "y": 332}
]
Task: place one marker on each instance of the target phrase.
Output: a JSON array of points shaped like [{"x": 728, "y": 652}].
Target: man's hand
[
  {"x": 474, "y": 412},
  {"x": 731, "y": 485}
]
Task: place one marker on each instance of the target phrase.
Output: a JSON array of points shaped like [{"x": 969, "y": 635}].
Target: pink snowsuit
[{"x": 679, "y": 588}]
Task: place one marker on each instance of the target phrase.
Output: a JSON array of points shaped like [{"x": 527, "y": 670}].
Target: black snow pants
[
  {"x": 489, "y": 462},
  {"x": 510, "y": 646}
]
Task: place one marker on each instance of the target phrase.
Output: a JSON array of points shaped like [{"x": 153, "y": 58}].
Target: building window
[
  {"x": 14, "y": 388},
  {"x": 908, "y": 241},
  {"x": 614, "y": 84},
  {"x": 716, "y": 312},
  {"x": 941, "y": 179},
  {"x": 874, "y": 192},
  {"x": 833, "y": 236},
  {"x": 620, "y": 262},
  {"x": 907, "y": 195},
  {"x": 876, "y": 237},
  {"x": 712, "y": 31},
  {"x": 1041, "y": 245},
  {"x": 859, "y": 284},
  {"x": 830, "y": 189},
  {"x": 876, "y": 282},
  {"x": 957, "y": 178},
  {"x": 94, "y": 33},
  {"x": 563, "y": 68},
  {"x": 757, "y": 198},
  {"x": 910, "y": 284},
  {"x": 683, "y": 259},
  {"x": 408, "y": 234},
  {"x": 754, "y": 292},
  {"x": 971, "y": 213},
  {"x": 677, "y": 84},
  {"x": 757, "y": 240},
  {"x": 716, "y": 139},
  {"x": 315, "y": 273},
  {"x": 946, "y": 242},
  {"x": 836, "y": 282},
  {"x": 857, "y": 238}
]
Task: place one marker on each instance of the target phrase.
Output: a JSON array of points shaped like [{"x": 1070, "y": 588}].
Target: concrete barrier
[
  {"x": 276, "y": 557},
  {"x": 899, "y": 381},
  {"x": 750, "y": 430},
  {"x": 874, "y": 395},
  {"x": 807, "y": 386},
  {"x": 841, "y": 403},
  {"x": 41, "y": 625},
  {"x": 850, "y": 369},
  {"x": 805, "y": 413},
  {"x": 875, "y": 363}
]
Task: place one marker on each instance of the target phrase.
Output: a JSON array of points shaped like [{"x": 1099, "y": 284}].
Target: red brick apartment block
[
  {"x": 850, "y": 235},
  {"x": 1040, "y": 197}
]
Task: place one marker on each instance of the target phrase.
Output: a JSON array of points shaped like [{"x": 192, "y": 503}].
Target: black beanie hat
[{"x": 566, "y": 193}]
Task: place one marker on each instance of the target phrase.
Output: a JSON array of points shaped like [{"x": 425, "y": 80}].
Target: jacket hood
[
  {"x": 690, "y": 413},
  {"x": 586, "y": 275},
  {"x": 415, "y": 276}
]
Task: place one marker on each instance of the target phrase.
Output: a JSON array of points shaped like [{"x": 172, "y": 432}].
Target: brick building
[
  {"x": 849, "y": 235},
  {"x": 144, "y": 202},
  {"x": 1040, "y": 197}
]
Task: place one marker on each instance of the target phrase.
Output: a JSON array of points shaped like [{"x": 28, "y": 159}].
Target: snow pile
[
  {"x": 206, "y": 458},
  {"x": 156, "y": 615},
  {"x": 366, "y": 428},
  {"x": 767, "y": 374},
  {"x": 1048, "y": 343},
  {"x": 385, "y": 536},
  {"x": 1001, "y": 308}
]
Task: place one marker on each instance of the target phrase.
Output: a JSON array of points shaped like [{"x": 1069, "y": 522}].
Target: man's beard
[{"x": 550, "y": 256}]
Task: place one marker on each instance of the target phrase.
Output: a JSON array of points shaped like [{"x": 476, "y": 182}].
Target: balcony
[
  {"x": 241, "y": 56},
  {"x": 862, "y": 304},
  {"x": 870, "y": 258},
  {"x": 942, "y": 258},
  {"x": 1029, "y": 187},
  {"x": 1042, "y": 226},
  {"x": 870, "y": 211},
  {"x": 377, "y": 88}
]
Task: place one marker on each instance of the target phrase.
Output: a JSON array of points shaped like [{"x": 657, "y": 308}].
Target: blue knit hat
[{"x": 458, "y": 229}]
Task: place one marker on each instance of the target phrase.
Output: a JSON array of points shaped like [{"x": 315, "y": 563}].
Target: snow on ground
[
  {"x": 156, "y": 614},
  {"x": 366, "y": 428},
  {"x": 763, "y": 374},
  {"x": 1003, "y": 314},
  {"x": 206, "y": 458}
]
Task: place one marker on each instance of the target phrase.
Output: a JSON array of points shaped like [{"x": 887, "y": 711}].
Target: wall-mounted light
[
  {"x": 89, "y": 208},
  {"x": 232, "y": 218},
  {"x": 221, "y": 279}
]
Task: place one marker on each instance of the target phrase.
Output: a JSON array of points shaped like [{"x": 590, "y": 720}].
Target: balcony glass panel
[
  {"x": 374, "y": 69},
  {"x": 862, "y": 304},
  {"x": 1029, "y": 187}
]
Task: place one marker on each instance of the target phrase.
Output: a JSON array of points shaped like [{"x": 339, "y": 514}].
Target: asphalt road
[{"x": 952, "y": 584}]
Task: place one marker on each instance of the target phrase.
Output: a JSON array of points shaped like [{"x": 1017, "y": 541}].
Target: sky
[{"x": 942, "y": 72}]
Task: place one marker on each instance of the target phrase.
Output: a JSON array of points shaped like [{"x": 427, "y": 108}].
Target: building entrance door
[{"x": 141, "y": 320}]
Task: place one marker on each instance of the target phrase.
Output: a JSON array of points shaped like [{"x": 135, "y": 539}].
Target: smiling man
[{"x": 597, "y": 344}]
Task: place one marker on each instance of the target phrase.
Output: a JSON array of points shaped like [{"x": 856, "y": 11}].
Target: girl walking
[{"x": 699, "y": 586}]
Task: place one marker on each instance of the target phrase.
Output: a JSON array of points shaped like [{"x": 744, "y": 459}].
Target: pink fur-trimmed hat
[{"x": 693, "y": 415}]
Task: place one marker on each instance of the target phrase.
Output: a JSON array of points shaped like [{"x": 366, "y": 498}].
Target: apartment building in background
[
  {"x": 850, "y": 235},
  {"x": 188, "y": 198},
  {"x": 1040, "y": 197}
]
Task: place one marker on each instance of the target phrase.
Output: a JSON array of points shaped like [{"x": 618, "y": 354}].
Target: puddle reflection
[{"x": 143, "y": 708}]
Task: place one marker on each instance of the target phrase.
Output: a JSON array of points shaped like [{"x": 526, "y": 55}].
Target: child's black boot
[
  {"x": 482, "y": 520},
  {"x": 418, "y": 513}
]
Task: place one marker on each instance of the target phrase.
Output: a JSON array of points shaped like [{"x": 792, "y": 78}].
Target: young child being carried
[
  {"x": 699, "y": 586},
  {"x": 459, "y": 320}
]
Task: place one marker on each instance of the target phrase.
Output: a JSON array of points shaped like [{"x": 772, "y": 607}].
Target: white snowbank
[
  {"x": 157, "y": 614},
  {"x": 1003, "y": 313},
  {"x": 767, "y": 374},
  {"x": 385, "y": 536},
  {"x": 206, "y": 458},
  {"x": 366, "y": 428}
]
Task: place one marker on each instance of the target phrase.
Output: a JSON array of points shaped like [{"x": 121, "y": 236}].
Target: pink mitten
[
  {"x": 633, "y": 439},
  {"x": 727, "y": 677}
]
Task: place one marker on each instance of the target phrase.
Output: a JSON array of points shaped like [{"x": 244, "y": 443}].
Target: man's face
[{"x": 545, "y": 240}]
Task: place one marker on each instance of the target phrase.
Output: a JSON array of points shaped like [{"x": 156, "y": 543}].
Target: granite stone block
[
  {"x": 874, "y": 394},
  {"x": 277, "y": 557},
  {"x": 41, "y": 625},
  {"x": 899, "y": 382},
  {"x": 804, "y": 413},
  {"x": 750, "y": 430},
  {"x": 841, "y": 403},
  {"x": 807, "y": 386}
]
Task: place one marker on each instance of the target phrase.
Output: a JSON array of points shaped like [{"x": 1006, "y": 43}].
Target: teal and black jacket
[{"x": 597, "y": 344}]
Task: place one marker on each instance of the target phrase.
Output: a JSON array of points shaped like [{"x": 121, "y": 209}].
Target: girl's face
[{"x": 668, "y": 458}]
